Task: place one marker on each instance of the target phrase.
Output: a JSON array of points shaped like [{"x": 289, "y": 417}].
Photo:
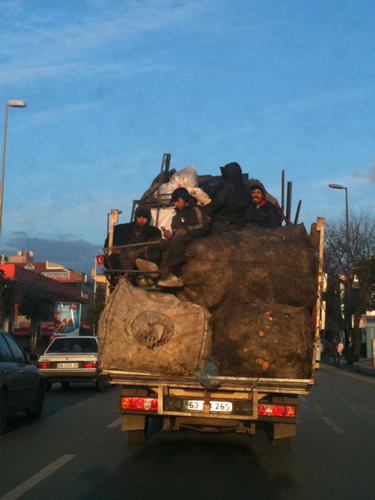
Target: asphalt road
[{"x": 77, "y": 451}]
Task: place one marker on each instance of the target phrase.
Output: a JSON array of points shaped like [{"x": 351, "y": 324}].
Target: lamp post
[
  {"x": 348, "y": 316},
  {"x": 10, "y": 104}
]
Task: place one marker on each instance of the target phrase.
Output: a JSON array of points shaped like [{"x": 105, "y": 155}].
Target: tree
[
  {"x": 361, "y": 263},
  {"x": 95, "y": 307},
  {"x": 36, "y": 305},
  {"x": 7, "y": 297}
]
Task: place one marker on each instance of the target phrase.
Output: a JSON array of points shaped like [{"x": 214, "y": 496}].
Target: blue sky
[{"x": 112, "y": 85}]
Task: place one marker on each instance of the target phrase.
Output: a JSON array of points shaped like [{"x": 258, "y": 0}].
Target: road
[{"x": 77, "y": 451}]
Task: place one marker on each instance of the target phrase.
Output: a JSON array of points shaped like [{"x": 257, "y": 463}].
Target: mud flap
[
  {"x": 284, "y": 430},
  {"x": 133, "y": 422}
]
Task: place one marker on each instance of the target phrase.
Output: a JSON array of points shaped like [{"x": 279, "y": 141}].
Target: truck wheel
[
  {"x": 282, "y": 443},
  {"x": 136, "y": 437},
  {"x": 100, "y": 385},
  {"x": 3, "y": 411},
  {"x": 64, "y": 386},
  {"x": 48, "y": 386}
]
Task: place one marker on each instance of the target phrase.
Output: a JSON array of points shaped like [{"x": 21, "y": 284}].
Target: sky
[{"x": 111, "y": 85}]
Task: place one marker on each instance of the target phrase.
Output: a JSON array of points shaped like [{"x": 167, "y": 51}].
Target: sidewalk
[{"x": 364, "y": 366}]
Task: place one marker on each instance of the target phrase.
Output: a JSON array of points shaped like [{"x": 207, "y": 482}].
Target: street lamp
[
  {"x": 11, "y": 104},
  {"x": 348, "y": 321}
]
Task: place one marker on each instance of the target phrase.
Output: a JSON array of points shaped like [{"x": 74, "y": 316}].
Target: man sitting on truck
[
  {"x": 261, "y": 212},
  {"x": 188, "y": 224},
  {"x": 229, "y": 204},
  {"x": 146, "y": 258}
]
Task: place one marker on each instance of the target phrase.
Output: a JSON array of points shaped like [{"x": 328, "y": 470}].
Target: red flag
[{"x": 99, "y": 260}]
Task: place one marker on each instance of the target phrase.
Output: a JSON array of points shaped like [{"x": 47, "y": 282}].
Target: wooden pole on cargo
[
  {"x": 113, "y": 219},
  {"x": 297, "y": 212},
  {"x": 289, "y": 201},
  {"x": 320, "y": 284},
  {"x": 283, "y": 192}
]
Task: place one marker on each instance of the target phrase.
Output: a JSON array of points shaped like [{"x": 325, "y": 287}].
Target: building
[{"x": 62, "y": 285}]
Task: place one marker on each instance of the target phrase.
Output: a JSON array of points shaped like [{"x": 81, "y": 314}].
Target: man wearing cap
[
  {"x": 229, "y": 204},
  {"x": 261, "y": 212},
  {"x": 145, "y": 258},
  {"x": 188, "y": 224}
]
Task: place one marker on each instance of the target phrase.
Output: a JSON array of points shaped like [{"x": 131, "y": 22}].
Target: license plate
[
  {"x": 67, "y": 365},
  {"x": 215, "y": 406}
]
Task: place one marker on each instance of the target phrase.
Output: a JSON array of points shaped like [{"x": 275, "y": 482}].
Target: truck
[{"x": 234, "y": 367}]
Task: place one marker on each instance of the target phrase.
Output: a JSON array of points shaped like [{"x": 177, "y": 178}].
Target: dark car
[
  {"x": 71, "y": 358},
  {"x": 21, "y": 383}
]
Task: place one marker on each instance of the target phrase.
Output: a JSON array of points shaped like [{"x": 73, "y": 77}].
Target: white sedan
[{"x": 71, "y": 358}]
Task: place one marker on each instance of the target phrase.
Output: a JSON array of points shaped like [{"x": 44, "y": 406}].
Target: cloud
[
  {"x": 52, "y": 38},
  {"x": 368, "y": 175},
  {"x": 74, "y": 254}
]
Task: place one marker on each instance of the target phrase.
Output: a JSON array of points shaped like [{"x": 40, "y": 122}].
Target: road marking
[
  {"x": 332, "y": 424},
  {"x": 81, "y": 403},
  {"x": 116, "y": 423},
  {"x": 364, "y": 378},
  {"x": 358, "y": 410},
  {"x": 27, "y": 485}
]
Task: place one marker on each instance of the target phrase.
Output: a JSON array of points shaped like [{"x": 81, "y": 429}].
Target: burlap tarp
[
  {"x": 153, "y": 332},
  {"x": 268, "y": 340},
  {"x": 254, "y": 265}
]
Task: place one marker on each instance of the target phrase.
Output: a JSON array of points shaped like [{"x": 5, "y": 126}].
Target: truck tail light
[
  {"x": 90, "y": 365},
  {"x": 277, "y": 411},
  {"x": 43, "y": 364},
  {"x": 149, "y": 404}
]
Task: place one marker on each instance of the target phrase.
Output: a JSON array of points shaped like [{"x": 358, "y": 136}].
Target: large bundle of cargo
[{"x": 153, "y": 332}]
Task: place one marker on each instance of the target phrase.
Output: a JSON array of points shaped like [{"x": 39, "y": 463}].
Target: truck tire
[
  {"x": 282, "y": 443},
  {"x": 3, "y": 411},
  {"x": 100, "y": 385},
  {"x": 64, "y": 386},
  {"x": 136, "y": 437},
  {"x": 48, "y": 386}
]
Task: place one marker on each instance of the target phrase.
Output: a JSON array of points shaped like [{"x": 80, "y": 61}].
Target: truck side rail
[{"x": 276, "y": 385}]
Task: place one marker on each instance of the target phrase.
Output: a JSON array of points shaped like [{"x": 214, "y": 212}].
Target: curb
[{"x": 369, "y": 372}]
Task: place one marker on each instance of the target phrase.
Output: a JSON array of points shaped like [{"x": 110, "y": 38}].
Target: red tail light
[
  {"x": 149, "y": 404},
  {"x": 276, "y": 411},
  {"x": 90, "y": 365},
  {"x": 43, "y": 364}
]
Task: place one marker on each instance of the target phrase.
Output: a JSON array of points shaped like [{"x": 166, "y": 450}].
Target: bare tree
[{"x": 361, "y": 255}]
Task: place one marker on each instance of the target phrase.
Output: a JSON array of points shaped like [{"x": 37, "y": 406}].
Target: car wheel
[
  {"x": 36, "y": 409},
  {"x": 3, "y": 411},
  {"x": 100, "y": 385},
  {"x": 64, "y": 386}
]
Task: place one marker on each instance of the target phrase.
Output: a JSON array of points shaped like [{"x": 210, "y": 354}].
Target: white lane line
[
  {"x": 363, "y": 378},
  {"x": 116, "y": 423},
  {"x": 332, "y": 424},
  {"x": 27, "y": 485}
]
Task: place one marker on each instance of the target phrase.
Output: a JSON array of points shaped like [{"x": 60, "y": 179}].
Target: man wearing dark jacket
[
  {"x": 228, "y": 206},
  {"x": 188, "y": 224},
  {"x": 261, "y": 212},
  {"x": 145, "y": 258}
]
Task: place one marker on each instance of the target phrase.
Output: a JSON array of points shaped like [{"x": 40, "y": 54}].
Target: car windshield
[{"x": 73, "y": 345}]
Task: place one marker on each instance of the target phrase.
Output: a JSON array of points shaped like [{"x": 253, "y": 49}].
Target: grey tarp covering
[{"x": 153, "y": 332}]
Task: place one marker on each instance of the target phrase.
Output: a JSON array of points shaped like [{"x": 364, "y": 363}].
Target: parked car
[
  {"x": 21, "y": 383},
  {"x": 71, "y": 358}
]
